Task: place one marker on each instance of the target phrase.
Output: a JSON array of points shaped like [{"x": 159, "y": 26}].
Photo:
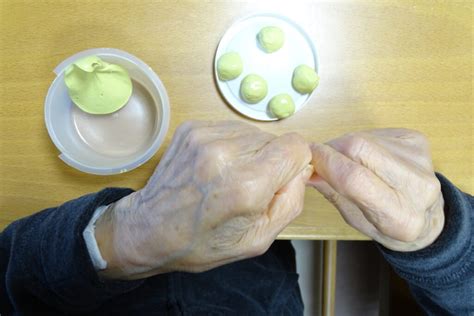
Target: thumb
[{"x": 288, "y": 202}]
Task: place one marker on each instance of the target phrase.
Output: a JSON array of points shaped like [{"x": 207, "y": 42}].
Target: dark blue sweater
[{"x": 45, "y": 269}]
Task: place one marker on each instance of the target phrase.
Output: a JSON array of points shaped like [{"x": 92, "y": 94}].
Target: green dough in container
[
  {"x": 305, "y": 79},
  {"x": 253, "y": 88},
  {"x": 271, "y": 38},
  {"x": 282, "y": 105},
  {"x": 229, "y": 66},
  {"x": 98, "y": 87}
]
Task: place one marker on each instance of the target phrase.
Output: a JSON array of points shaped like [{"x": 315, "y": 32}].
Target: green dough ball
[
  {"x": 271, "y": 38},
  {"x": 229, "y": 66},
  {"x": 282, "y": 105},
  {"x": 253, "y": 88},
  {"x": 305, "y": 79},
  {"x": 96, "y": 86}
]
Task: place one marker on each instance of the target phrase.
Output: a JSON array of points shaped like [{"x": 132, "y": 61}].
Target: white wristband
[{"x": 91, "y": 243}]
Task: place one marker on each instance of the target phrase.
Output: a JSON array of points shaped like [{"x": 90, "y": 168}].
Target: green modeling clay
[
  {"x": 282, "y": 105},
  {"x": 305, "y": 79},
  {"x": 271, "y": 38},
  {"x": 253, "y": 88},
  {"x": 229, "y": 66},
  {"x": 96, "y": 86}
]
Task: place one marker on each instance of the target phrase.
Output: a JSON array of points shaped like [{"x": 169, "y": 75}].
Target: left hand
[{"x": 382, "y": 181}]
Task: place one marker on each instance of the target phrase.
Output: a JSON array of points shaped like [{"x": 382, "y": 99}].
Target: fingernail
[{"x": 307, "y": 172}]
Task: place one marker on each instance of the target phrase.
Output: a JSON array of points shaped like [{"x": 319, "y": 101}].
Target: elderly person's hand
[
  {"x": 383, "y": 183},
  {"x": 222, "y": 192}
]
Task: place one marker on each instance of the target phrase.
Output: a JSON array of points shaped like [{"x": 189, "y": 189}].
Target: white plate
[{"x": 276, "y": 68}]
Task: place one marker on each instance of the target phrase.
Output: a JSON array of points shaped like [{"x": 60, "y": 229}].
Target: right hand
[{"x": 222, "y": 192}]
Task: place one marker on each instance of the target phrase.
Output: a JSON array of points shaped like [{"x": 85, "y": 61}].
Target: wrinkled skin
[
  {"x": 382, "y": 181},
  {"x": 222, "y": 192}
]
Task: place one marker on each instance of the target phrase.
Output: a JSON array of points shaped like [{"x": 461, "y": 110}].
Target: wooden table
[{"x": 384, "y": 64}]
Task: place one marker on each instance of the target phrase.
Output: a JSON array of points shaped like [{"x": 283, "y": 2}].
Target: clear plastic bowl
[{"x": 65, "y": 122}]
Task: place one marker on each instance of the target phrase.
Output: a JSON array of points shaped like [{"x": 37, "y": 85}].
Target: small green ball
[
  {"x": 271, "y": 38},
  {"x": 229, "y": 66},
  {"x": 282, "y": 105},
  {"x": 305, "y": 79},
  {"x": 253, "y": 88}
]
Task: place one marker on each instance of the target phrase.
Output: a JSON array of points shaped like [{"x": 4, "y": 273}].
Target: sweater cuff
[
  {"x": 91, "y": 242},
  {"x": 67, "y": 265},
  {"x": 449, "y": 258}
]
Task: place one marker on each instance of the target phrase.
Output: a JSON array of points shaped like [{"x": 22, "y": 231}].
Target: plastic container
[{"x": 116, "y": 142}]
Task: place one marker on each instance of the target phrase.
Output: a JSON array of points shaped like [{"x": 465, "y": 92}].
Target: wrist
[
  {"x": 126, "y": 239},
  {"x": 434, "y": 224},
  {"x": 105, "y": 237},
  {"x": 115, "y": 240}
]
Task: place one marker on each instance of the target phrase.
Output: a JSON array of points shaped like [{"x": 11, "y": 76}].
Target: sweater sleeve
[
  {"x": 45, "y": 264},
  {"x": 441, "y": 276}
]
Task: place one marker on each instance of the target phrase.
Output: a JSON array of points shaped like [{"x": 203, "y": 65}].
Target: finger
[
  {"x": 396, "y": 133},
  {"x": 288, "y": 202},
  {"x": 349, "y": 211},
  {"x": 248, "y": 144},
  {"x": 263, "y": 228},
  {"x": 197, "y": 135},
  {"x": 185, "y": 128},
  {"x": 221, "y": 156},
  {"x": 361, "y": 148},
  {"x": 354, "y": 216},
  {"x": 180, "y": 133},
  {"x": 228, "y": 129},
  {"x": 416, "y": 152},
  {"x": 286, "y": 205},
  {"x": 194, "y": 132},
  {"x": 357, "y": 183},
  {"x": 405, "y": 138},
  {"x": 402, "y": 136},
  {"x": 204, "y": 134},
  {"x": 281, "y": 160}
]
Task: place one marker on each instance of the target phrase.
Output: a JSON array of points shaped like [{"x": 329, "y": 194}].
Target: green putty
[
  {"x": 305, "y": 79},
  {"x": 229, "y": 66},
  {"x": 96, "y": 86},
  {"x": 271, "y": 38},
  {"x": 253, "y": 88},
  {"x": 282, "y": 105}
]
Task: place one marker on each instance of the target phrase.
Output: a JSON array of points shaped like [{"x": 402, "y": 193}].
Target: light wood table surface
[{"x": 382, "y": 64}]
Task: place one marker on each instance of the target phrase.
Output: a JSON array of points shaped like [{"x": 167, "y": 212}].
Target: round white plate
[{"x": 276, "y": 68}]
